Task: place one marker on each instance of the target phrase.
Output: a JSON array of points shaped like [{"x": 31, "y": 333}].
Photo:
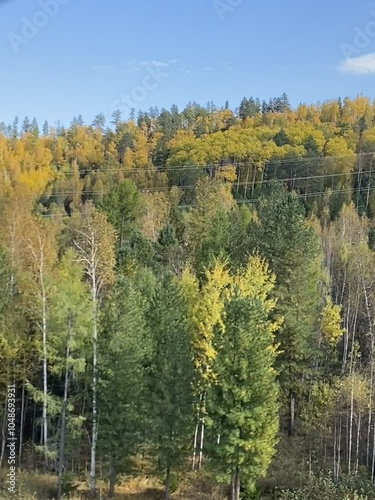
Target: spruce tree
[
  {"x": 171, "y": 379},
  {"x": 291, "y": 248},
  {"x": 122, "y": 364},
  {"x": 243, "y": 404}
]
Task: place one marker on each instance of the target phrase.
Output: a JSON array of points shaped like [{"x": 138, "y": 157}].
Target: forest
[{"x": 187, "y": 304}]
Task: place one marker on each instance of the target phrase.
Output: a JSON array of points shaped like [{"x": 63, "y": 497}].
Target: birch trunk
[
  {"x": 195, "y": 443},
  {"x": 350, "y": 444},
  {"x": 94, "y": 398},
  {"x": 339, "y": 450},
  {"x": 371, "y": 372},
  {"x": 357, "y": 448},
  {"x": 200, "y": 462}
]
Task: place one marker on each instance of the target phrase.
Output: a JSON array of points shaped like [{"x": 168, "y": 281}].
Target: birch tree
[
  {"x": 94, "y": 239},
  {"x": 40, "y": 254}
]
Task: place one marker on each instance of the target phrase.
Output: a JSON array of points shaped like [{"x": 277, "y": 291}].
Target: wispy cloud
[
  {"x": 362, "y": 65},
  {"x": 186, "y": 71}
]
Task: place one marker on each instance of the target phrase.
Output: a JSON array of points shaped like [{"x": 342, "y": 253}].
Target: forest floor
[
  {"x": 38, "y": 486},
  {"x": 289, "y": 469}
]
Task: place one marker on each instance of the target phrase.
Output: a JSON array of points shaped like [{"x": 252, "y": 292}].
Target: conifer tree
[
  {"x": 291, "y": 248},
  {"x": 243, "y": 406},
  {"x": 171, "y": 379},
  {"x": 123, "y": 357}
]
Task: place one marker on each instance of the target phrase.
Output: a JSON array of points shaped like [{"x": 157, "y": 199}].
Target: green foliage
[
  {"x": 122, "y": 206},
  {"x": 124, "y": 351},
  {"x": 243, "y": 401},
  {"x": 291, "y": 248},
  {"x": 171, "y": 376},
  {"x": 322, "y": 487}
]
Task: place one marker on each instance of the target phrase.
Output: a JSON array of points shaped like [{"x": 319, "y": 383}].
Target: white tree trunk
[
  {"x": 357, "y": 448},
  {"x": 94, "y": 398},
  {"x": 45, "y": 374}
]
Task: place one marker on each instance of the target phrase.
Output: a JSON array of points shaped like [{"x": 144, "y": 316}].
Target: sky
[{"x": 61, "y": 58}]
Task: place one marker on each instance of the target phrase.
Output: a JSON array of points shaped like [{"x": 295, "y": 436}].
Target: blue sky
[{"x": 93, "y": 56}]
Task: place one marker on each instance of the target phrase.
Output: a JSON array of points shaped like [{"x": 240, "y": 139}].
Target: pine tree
[
  {"x": 45, "y": 129},
  {"x": 243, "y": 407},
  {"x": 99, "y": 122},
  {"x": 171, "y": 379},
  {"x": 122, "y": 206},
  {"x": 26, "y": 125},
  {"x": 292, "y": 250},
  {"x": 15, "y": 127},
  {"x": 34, "y": 128},
  {"x": 122, "y": 363}
]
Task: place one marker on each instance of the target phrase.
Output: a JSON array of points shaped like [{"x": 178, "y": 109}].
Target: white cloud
[
  {"x": 362, "y": 65},
  {"x": 186, "y": 71}
]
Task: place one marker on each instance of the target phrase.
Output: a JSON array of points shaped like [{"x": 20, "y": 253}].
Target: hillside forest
[{"x": 187, "y": 298}]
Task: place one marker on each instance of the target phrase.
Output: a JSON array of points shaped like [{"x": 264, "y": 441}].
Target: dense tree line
[{"x": 189, "y": 292}]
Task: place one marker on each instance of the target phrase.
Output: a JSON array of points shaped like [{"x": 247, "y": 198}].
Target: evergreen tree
[
  {"x": 171, "y": 379},
  {"x": 122, "y": 206},
  {"x": 34, "y": 128},
  {"x": 122, "y": 365},
  {"x": 26, "y": 125},
  {"x": 243, "y": 406},
  {"x": 15, "y": 127},
  {"x": 291, "y": 248},
  {"x": 99, "y": 122},
  {"x": 45, "y": 129}
]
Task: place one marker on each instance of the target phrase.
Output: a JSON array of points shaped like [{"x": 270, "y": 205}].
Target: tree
[
  {"x": 155, "y": 213},
  {"x": 171, "y": 378},
  {"x": 70, "y": 322},
  {"x": 15, "y": 127},
  {"x": 99, "y": 122},
  {"x": 122, "y": 363},
  {"x": 45, "y": 129},
  {"x": 94, "y": 239},
  {"x": 205, "y": 309},
  {"x": 116, "y": 118},
  {"x": 122, "y": 206},
  {"x": 291, "y": 248},
  {"x": 40, "y": 254},
  {"x": 34, "y": 128},
  {"x": 243, "y": 407},
  {"x": 26, "y": 125}
]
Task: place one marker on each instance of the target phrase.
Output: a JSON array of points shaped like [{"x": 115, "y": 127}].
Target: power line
[
  {"x": 235, "y": 184},
  {"x": 252, "y": 201},
  {"x": 235, "y": 163}
]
